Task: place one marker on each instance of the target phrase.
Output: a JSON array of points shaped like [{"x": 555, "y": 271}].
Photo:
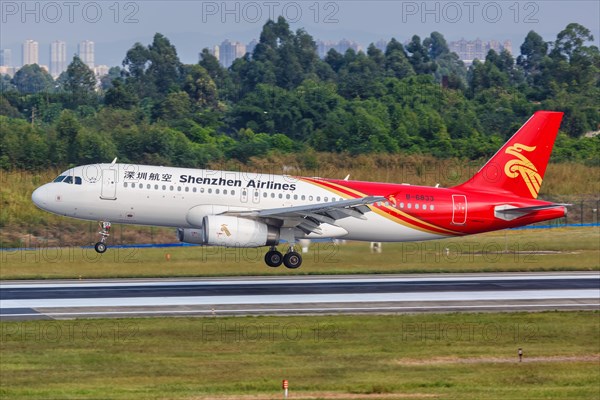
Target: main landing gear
[
  {"x": 100, "y": 247},
  {"x": 291, "y": 260}
]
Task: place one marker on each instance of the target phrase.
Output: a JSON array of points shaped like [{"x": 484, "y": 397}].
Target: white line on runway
[
  {"x": 306, "y": 280},
  {"x": 302, "y": 298}
]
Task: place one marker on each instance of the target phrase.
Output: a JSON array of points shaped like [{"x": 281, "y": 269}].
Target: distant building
[
  {"x": 10, "y": 71},
  {"x": 341, "y": 47},
  {"x": 101, "y": 70},
  {"x": 5, "y": 58},
  {"x": 345, "y": 44},
  {"x": 30, "y": 52},
  {"x": 58, "y": 58},
  {"x": 381, "y": 44},
  {"x": 85, "y": 50},
  {"x": 229, "y": 51},
  {"x": 251, "y": 46},
  {"x": 469, "y": 50}
]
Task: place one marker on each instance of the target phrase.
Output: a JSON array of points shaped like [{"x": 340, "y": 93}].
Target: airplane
[{"x": 238, "y": 209}]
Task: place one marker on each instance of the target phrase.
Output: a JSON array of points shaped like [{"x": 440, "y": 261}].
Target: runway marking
[
  {"x": 303, "y": 298},
  {"x": 313, "y": 280}
]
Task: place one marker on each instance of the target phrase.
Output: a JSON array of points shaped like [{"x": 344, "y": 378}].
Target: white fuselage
[{"x": 179, "y": 197}]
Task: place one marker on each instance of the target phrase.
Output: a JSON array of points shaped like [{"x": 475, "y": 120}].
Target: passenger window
[
  {"x": 216, "y": 191},
  {"x": 194, "y": 190},
  {"x": 233, "y": 192},
  {"x": 325, "y": 199},
  {"x": 224, "y": 191},
  {"x": 295, "y": 197},
  {"x": 125, "y": 184},
  {"x": 264, "y": 194},
  {"x": 155, "y": 187},
  {"x": 164, "y": 187},
  {"x": 148, "y": 186},
  {"x": 280, "y": 196},
  {"x": 318, "y": 198},
  {"x": 179, "y": 188},
  {"x": 187, "y": 189},
  {"x": 287, "y": 196},
  {"x": 310, "y": 198},
  {"x": 133, "y": 185},
  {"x": 303, "y": 197}
]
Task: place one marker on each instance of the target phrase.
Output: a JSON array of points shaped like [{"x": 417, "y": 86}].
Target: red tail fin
[{"x": 519, "y": 166}]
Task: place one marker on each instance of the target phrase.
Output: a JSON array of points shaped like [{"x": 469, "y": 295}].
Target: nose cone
[{"x": 40, "y": 197}]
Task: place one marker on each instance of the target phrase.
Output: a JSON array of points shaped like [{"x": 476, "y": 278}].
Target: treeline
[{"x": 416, "y": 98}]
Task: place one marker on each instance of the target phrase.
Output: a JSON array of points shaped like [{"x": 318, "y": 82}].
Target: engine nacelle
[
  {"x": 195, "y": 236},
  {"x": 222, "y": 230}
]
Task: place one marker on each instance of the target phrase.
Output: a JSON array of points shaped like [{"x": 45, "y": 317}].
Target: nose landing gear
[{"x": 101, "y": 247}]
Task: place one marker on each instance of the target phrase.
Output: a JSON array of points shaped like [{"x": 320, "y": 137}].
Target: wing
[{"x": 309, "y": 217}]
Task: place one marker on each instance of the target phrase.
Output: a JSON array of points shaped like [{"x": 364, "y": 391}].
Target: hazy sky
[{"x": 192, "y": 25}]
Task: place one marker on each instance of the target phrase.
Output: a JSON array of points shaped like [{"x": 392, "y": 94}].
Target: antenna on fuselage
[
  {"x": 113, "y": 162},
  {"x": 347, "y": 176}
]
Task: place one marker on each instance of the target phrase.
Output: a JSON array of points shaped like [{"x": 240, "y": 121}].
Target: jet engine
[
  {"x": 195, "y": 236},
  {"x": 228, "y": 231}
]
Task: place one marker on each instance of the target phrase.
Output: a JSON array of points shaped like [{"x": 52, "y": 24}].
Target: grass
[
  {"x": 467, "y": 356},
  {"x": 554, "y": 249}
]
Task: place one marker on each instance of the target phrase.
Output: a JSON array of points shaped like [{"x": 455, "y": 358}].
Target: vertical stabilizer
[{"x": 519, "y": 166}]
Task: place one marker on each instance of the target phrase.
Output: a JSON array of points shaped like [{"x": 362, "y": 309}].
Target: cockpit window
[{"x": 69, "y": 179}]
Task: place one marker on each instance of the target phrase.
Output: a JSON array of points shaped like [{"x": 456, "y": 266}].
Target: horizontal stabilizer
[{"x": 508, "y": 212}]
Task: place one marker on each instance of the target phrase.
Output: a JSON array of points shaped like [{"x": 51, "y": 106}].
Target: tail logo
[{"x": 523, "y": 167}]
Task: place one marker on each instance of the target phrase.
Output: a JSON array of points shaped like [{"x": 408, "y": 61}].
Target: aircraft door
[
  {"x": 244, "y": 195},
  {"x": 109, "y": 184},
  {"x": 459, "y": 209}
]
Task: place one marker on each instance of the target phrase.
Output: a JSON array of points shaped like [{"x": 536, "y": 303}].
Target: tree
[
  {"x": 79, "y": 82},
  {"x": 533, "y": 51},
  {"x": 119, "y": 97},
  {"x": 419, "y": 57},
  {"x": 33, "y": 79},
  {"x": 200, "y": 88},
  {"x": 396, "y": 60}
]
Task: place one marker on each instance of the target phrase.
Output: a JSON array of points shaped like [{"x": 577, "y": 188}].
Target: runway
[{"x": 299, "y": 295}]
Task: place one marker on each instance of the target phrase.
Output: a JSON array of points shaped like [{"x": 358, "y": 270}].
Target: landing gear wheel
[
  {"x": 273, "y": 258},
  {"x": 100, "y": 247},
  {"x": 292, "y": 260},
  {"x": 104, "y": 233}
]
